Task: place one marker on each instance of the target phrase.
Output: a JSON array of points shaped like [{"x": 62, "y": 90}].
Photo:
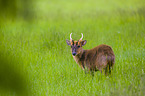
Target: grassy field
[{"x": 36, "y": 61}]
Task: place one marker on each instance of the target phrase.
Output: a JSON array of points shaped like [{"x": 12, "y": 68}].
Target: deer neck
[{"x": 79, "y": 56}]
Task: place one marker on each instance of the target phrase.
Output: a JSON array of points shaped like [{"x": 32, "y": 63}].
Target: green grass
[{"x": 37, "y": 61}]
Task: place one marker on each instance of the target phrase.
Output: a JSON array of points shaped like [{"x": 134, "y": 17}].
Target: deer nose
[{"x": 73, "y": 53}]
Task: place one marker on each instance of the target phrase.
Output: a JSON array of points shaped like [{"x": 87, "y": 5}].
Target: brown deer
[{"x": 96, "y": 59}]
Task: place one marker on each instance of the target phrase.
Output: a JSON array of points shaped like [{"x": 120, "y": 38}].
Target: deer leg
[{"x": 92, "y": 73}]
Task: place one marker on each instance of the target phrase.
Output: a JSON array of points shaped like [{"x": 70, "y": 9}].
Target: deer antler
[
  {"x": 70, "y": 36},
  {"x": 82, "y": 36}
]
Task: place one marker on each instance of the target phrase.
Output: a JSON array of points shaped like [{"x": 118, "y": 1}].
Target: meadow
[{"x": 36, "y": 61}]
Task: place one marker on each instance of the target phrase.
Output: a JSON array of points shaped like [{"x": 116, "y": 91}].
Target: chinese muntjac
[{"x": 96, "y": 59}]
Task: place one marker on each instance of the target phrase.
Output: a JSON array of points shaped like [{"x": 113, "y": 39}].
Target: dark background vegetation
[{"x": 17, "y": 9}]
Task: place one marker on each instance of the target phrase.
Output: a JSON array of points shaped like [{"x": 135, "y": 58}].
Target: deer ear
[
  {"x": 68, "y": 42},
  {"x": 84, "y": 42}
]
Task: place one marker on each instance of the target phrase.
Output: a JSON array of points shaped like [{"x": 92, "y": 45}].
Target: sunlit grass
[{"x": 38, "y": 52}]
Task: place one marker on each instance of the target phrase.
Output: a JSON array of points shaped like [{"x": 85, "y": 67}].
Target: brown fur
[{"x": 97, "y": 59}]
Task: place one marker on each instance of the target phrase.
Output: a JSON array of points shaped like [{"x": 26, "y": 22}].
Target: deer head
[{"x": 76, "y": 46}]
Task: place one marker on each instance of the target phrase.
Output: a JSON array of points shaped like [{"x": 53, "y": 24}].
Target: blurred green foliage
[
  {"x": 16, "y": 9},
  {"x": 8, "y": 7},
  {"x": 12, "y": 78}
]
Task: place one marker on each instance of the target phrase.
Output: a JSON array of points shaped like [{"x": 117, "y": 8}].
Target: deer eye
[{"x": 78, "y": 46}]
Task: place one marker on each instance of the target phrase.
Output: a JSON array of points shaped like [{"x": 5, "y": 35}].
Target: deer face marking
[{"x": 76, "y": 46}]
